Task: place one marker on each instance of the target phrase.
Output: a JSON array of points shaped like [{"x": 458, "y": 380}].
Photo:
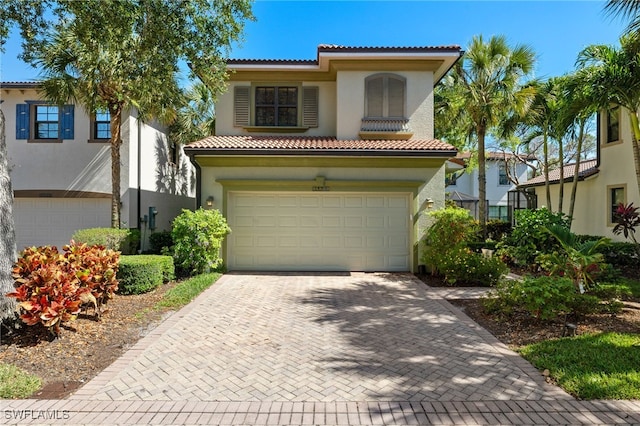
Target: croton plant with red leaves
[{"x": 52, "y": 287}]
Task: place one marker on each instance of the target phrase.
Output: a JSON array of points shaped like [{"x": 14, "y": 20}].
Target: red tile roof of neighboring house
[
  {"x": 275, "y": 145},
  {"x": 587, "y": 168},
  {"x": 495, "y": 155}
]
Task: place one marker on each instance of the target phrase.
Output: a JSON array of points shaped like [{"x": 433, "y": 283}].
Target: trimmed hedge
[
  {"x": 142, "y": 273},
  {"x": 123, "y": 240}
]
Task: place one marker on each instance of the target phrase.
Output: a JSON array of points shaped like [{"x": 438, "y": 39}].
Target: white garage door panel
[
  {"x": 314, "y": 232},
  {"x": 52, "y": 221}
]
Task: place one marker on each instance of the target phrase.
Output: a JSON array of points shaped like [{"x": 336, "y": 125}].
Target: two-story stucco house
[
  {"x": 60, "y": 164},
  {"x": 327, "y": 164},
  {"x": 501, "y": 169},
  {"x": 604, "y": 182}
]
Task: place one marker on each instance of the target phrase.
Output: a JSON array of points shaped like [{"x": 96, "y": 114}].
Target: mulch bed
[{"x": 85, "y": 347}]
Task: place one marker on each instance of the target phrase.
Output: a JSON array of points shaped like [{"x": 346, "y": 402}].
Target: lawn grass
[
  {"x": 187, "y": 290},
  {"x": 591, "y": 366},
  {"x": 16, "y": 383}
]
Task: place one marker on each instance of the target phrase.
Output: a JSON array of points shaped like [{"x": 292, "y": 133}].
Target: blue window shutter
[
  {"x": 22, "y": 121},
  {"x": 67, "y": 122}
]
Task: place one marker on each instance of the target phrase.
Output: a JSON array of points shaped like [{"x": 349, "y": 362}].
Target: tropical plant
[
  {"x": 529, "y": 238},
  {"x": 481, "y": 90},
  {"x": 628, "y": 9},
  {"x": 196, "y": 118},
  {"x": 611, "y": 76},
  {"x": 578, "y": 260},
  {"x": 627, "y": 219},
  {"x": 197, "y": 238},
  {"x": 117, "y": 55}
]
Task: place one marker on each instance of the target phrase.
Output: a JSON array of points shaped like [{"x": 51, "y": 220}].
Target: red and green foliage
[
  {"x": 627, "y": 219},
  {"x": 51, "y": 287}
]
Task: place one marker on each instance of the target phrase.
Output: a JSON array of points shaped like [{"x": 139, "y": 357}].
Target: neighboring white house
[
  {"x": 327, "y": 164},
  {"x": 60, "y": 164},
  {"x": 462, "y": 186},
  {"x": 603, "y": 182}
]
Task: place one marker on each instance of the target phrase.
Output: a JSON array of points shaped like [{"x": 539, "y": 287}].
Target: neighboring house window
[
  {"x": 503, "y": 179},
  {"x": 613, "y": 125},
  {"x": 499, "y": 213},
  {"x": 101, "y": 127},
  {"x": 173, "y": 154},
  {"x": 47, "y": 122},
  {"x": 276, "y": 106},
  {"x": 385, "y": 96},
  {"x": 40, "y": 122},
  {"x": 616, "y": 196}
]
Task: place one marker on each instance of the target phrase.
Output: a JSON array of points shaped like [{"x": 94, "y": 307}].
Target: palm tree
[
  {"x": 482, "y": 89},
  {"x": 196, "y": 119},
  {"x": 612, "y": 77},
  {"x": 628, "y": 9}
]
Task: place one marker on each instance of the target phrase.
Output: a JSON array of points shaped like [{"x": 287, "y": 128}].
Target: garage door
[
  {"x": 319, "y": 231},
  {"x": 52, "y": 221}
]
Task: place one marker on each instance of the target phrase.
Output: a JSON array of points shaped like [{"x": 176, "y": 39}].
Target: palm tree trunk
[
  {"x": 482, "y": 183},
  {"x": 116, "y": 141},
  {"x": 7, "y": 229},
  {"x": 545, "y": 149},
  {"x": 576, "y": 170},
  {"x": 561, "y": 187}
]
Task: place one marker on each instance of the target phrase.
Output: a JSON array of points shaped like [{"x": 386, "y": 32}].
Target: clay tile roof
[
  {"x": 587, "y": 168},
  {"x": 495, "y": 155},
  {"x": 345, "y": 49},
  {"x": 275, "y": 145},
  {"x": 19, "y": 84}
]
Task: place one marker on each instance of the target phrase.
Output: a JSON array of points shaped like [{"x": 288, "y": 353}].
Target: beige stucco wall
[
  {"x": 350, "y": 106},
  {"x": 432, "y": 185}
]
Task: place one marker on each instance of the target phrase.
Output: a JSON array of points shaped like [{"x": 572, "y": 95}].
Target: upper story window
[
  {"x": 47, "y": 122},
  {"x": 385, "y": 96},
  {"x": 101, "y": 125},
  {"x": 276, "y": 106},
  {"x": 291, "y": 106},
  {"x": 613, "y": 125},
  {"x": 37, "y": 121},
  {"x": 503, "y": 178},
  {"x": 451, "y": 179}
]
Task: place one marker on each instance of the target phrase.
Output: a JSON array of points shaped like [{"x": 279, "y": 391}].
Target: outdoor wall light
[
  {"x": 429, "y": 203},
  {"x": 210, "y": 201}
]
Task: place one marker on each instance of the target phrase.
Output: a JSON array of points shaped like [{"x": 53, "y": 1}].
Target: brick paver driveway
[
  {"x": 292, "y": 349},
  {"x": 321, "y": 337}
]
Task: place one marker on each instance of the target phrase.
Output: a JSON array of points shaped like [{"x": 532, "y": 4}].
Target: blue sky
[{"x": 557, "y": 30}]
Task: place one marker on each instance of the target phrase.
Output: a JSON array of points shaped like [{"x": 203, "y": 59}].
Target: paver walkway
[{"x": 320, "y": 349}]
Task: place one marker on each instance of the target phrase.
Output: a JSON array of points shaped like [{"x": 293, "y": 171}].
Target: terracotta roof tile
[
  {"x": 495, "y": 155},
  {"x": 587, "y": 168},
  {"x": 304, "y": 143}
]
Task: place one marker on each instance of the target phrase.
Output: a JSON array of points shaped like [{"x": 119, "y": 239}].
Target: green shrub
[
  {"x": 620, "y": 254},
  {"x": 159, "y": 242},
  {"x": 529, "y": 237},
  {"x": 462, "y": 266},
  {"x": 548, "y": 297},
  {"x": 197, "y": 238},
  {"x": 140, "y": 273},
  {"x": 166, "y": 265},
  {"x": 124, "y": 240},
  {"x": 497, "y": 230}
]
